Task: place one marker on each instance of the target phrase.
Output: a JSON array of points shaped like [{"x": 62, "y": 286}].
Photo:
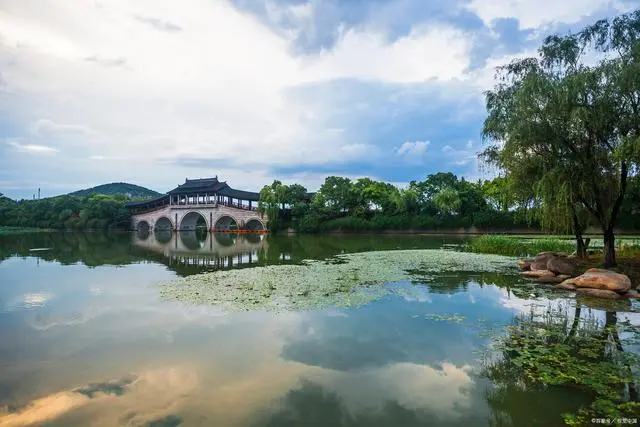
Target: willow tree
[
  {"x": 272, "y": 199},
  {"x": 578, "y": 124},
  {"x": 447, "y": 201},
  {"x": 527, "y": 115}
]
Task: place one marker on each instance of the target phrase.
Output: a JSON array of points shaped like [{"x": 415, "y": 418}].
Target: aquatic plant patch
[
  {"x": 556, "y": 350},
  {"x": 342, "y": 281}
]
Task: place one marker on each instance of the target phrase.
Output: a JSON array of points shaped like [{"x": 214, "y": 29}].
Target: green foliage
[
  {"x": 337, "y": 195},
  {"x": 284, "y": 204},
  {"x": 98, "y": 212},
  {"x": 447, "y": 201},
  {"x": 568, "y": 130},
  {"x": 516, "y": 246},
  {"x": 118, "y": 189},
  {"x": 440, "y": 201}
]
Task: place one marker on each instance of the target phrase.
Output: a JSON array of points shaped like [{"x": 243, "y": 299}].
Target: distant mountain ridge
[{"x": 117, "y": 188}]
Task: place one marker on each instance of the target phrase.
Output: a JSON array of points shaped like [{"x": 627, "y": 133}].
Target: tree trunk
[
  {"x": 609, "y": 249},
  {"x": 581, "y": 247}
]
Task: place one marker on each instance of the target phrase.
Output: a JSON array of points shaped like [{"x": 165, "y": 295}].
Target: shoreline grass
[
  {"x": 10, "y": 230},
  {"x": 516, "y": 246}
]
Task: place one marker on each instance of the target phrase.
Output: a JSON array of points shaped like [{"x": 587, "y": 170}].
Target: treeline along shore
[{"x": 442, "y": 203}]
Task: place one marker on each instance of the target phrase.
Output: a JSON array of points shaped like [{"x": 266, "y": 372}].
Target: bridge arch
[
  {"x": 193, "y": 220},
  {"x": 226, "y": 223},
  {"x": 163, "y": 223},
  {"x": 143, "y": 225},
  {"x": 254, "y": 224},
  {"x": 142, "y": 234},
  {"x": 163, "y": 236}
]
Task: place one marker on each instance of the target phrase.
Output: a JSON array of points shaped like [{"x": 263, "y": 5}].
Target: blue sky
[{"x": 153, "y": 91}]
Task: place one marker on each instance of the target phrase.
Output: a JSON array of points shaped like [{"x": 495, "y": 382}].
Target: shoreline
[{"x": 464, "y": 232}]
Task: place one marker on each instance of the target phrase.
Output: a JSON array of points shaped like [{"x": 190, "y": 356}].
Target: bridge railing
[
  {"x": 239, "y": 206},
  {"x": 223, "y": 203}
]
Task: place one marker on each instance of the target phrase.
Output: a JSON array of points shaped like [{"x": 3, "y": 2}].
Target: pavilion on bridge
[{"x": 204, "y": 191}]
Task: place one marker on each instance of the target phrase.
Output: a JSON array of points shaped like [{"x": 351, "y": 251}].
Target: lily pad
[{"x": 347, "y": 280}]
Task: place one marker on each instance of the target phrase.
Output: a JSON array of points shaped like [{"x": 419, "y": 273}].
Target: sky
[{"x": 155, "y": 91}]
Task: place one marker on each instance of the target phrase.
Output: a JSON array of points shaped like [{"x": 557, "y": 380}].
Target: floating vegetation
[
  {"x": 455, "y": 318},
  {"x": 555, "y": 351},
  {"x": 342, "y": 281}
]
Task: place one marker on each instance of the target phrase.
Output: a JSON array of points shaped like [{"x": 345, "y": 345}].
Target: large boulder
[
  {"x": 560, "y": 266},
  {"x": 599, "y": 293},
  {"x": 543, "y": 257},
  {"x": 597, "y": 278}
]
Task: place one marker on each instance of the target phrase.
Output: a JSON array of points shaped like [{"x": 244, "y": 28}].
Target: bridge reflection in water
[{"x": 202, "y": 248}]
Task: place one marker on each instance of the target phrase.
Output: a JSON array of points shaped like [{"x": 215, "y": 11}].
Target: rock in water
[
  {"x": 565, "y": 286},
  {"x": 597, "y": 278},
  {"x": 551, "y": 278},
  {"x": 599, "y": 293},
  {"x": 524, "y": 265},
  {"x": 538, "y": 266},
  {"x": 560, "y": 266},
  {"x": 537, "y": 273},
  {"x": 632, "y": 294}
]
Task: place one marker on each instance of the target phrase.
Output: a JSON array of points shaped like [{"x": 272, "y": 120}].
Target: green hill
[{"x": 118, "y": 188}]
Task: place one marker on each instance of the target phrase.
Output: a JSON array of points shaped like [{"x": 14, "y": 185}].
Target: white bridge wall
[{"x": 211, "y": 214}]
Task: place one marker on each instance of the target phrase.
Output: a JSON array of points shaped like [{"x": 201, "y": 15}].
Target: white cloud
[
  {"x": 413, "y": 149},
  {"x": 113, "y": 80},
  {"x": 31, "y": 148},
  {"x": 408, "y": 59},
  {"x": 49, "y": 128},
  {"x": 358, "y": 151},
  {"x": 537, "y": 13},
  {"x": 159, "y": 86}
]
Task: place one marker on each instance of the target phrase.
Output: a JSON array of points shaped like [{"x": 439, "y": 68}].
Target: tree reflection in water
[{"x": 544, "y": 359}]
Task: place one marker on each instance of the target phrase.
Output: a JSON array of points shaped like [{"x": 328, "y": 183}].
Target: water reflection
[
  {"x": 204, "y": 249},
  {"x": 85, "y": 340},
  {"x": 189, "y": 252}
]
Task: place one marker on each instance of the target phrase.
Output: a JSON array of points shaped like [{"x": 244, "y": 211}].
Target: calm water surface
[{"x": 85, "y": 340}]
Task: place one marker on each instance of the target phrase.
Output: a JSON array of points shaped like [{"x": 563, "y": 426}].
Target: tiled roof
[{"x": 202, "y": 186}]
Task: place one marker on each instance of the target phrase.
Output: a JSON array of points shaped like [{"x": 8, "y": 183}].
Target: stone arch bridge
[{"x": 200, "y": 203}]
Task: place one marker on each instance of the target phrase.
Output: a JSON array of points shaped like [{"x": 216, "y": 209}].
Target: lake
[{"x": 87, "y": 338}]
